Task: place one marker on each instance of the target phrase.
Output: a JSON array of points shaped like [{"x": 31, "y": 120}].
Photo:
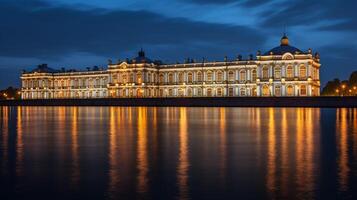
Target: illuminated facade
[{"x": 282, "y": 71}]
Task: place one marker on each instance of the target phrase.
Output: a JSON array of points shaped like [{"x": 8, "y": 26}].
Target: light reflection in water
[
  {"x": 142, "y": 160},
  {"x": 19, "y": 144},
  {"x": 75, "y": 176},
  {"x": 342, "y": 138},
  {"x": 114, "y": 176},
  {"x": 284, "y": 145},
  {"x": 271, "y": 172},
  {"x": 183, "y": 165}
]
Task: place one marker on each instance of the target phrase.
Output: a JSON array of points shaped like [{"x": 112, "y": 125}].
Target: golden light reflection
[
  {"x": 114, "y": 176},
  {"x": 271, "y": 172},
  {"x": 342, "y": 138},
  {"x": 75, "y": 171},
  {"x": 183, "y": 165},
  {"x": 5, "y": 133},
  {"x": 284, "y": 153},
  {"x": 19, "y": 144},
  {"x": 223, "y": 141},
  {"x": 142, "y": 160}
]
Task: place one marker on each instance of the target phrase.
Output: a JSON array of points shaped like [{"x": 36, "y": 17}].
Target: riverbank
[{"x": 330, "y": 102}]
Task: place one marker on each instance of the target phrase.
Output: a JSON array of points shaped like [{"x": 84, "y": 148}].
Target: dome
[{"x": 283, "y": 48}]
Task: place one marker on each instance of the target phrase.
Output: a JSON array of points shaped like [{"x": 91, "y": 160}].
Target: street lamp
[{"x": 337, "y": 91}]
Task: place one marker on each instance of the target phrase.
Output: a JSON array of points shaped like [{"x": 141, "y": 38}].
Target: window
[
  {"x": 171, "y": 78},
  {"x": 180, "y": 77},
  {"x": 181, "y": 92},
  {"x": 303, "y": 90},
  {"x": 254, "y": 75},
  {"x": 189, "y": 92},
  {"x": 230, "y": 92},
  {"x": 209, "y": 92},
  {"x": 290, "y": 90},
  {"x": 161, "y": 78},
  {"x": 149, "y": 77},
  {"x": 231, "y": 75},
  {"x": 254, "y": 93},
  {"x": 190, "y": 77},
  {"x": 199, "y": 76},
  {"x": 199, "y": 92},
  {"x": 209, "y": 76},
  {"x": 242, "y": 75},
  {"x": 302, "y": 71},
  {"x": 138, "y": 78},
  {"x": 242, "y": 92},
  {"x": 289, "y": 72},
  {"x": 171, "y": 92},
  {"x": 265, "y": 90},
  {"x": 219, "y": 92},
  {"x": 219, "y": 76},
  {"x": 277, "y": 90},
  {"x": 277, "y": 73},
  {"x": 124, "y": 79},
  {"x": 265, "y": 73},
  {"x": 131, "y": 79}
]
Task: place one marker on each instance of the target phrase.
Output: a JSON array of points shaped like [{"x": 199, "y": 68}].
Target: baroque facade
[{"x": 282, "y": 71}]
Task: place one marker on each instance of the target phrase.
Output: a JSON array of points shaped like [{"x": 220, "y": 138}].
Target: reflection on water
[{"x": 177, "y": 153}]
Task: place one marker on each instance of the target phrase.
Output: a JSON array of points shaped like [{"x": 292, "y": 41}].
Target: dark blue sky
[{"x": 81, "y": 33}]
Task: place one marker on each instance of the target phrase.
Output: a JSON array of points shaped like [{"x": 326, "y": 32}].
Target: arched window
[
  {"x": 231, "y": 76},
  {"x": 209, "y": 76},
  {"x": 209, "y": 92},
  {"x": 190, "y": 77},
  {"x": 302, "y": 71},
  {"x": 138, "y": 78},
  {"x": 242, "y": 75},
  {"x": 171, "y": 78},
  {"x": 265, "y": 72},
  {"x": 219, "y": 92},
  {"x": 199, "y": 92},
  {"x": 171, "y": 93},
  {"x": 199, "y": 76},
  {"x": 290, "y": 90},
  {"x": 189, "y": 92},
  {"x": 289, "y": 72},
  {"x": 161, "y": 78},
  {"x": 242, "y": 92},
  {"x": 181, "y": 92},
  {"x": 219, "y": 76},
  {"x": 131, "y": 78},
  {"x": 277, "y": 72},
  {"x": 303, "y": 90},
  {"x": 254, "y": 75},
  {"x": 265, "y": 90},
  {"x": 277, "y": 90},
  {"x": 230, "y": 92},
  {"x": 123, "y": 78},
  {"x": 180, "y": 77},
  {"x": 254, "y": 92}
]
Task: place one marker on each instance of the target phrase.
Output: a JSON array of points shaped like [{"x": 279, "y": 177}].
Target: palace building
[{"x": 282, "y": 71}]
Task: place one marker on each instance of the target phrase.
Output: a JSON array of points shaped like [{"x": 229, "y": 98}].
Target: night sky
[{"x": 83, "y": 33}]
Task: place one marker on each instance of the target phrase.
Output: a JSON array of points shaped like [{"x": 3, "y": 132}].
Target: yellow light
[
  {"x": 349, "y": 90},
  {"x": 343, "y": 86},
  {"x": 337, "y": 91},
  {"x": 354, "y": 87}
]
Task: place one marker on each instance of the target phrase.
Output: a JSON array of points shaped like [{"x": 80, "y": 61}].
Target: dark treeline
[
  {"x": 10, "y": 93},
  {"x": 337, "y": 87}
]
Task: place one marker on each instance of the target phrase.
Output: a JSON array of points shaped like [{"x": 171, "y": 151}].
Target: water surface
[{"x": 177, "y": 153}]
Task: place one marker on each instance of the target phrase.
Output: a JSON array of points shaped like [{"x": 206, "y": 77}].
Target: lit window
[
  {"x": 277, "y": 73},
  {"x": 265, "y": 73},
  {"x": 219, "y": 76},
  {"x": 290, "y": 90},
  {"x": 199, "y": 76},
  {"x": 303, "y": 90},
  {"x": 254, "y": 75},
  {"x": 265, "y": 90},
  {"x": 242, "y": 75},
  {"x": 277, "y": 91},
  {"x": 289, "y": 72},
  {"x": 302, "y": 71},
  {"x": 231, "y": 75},
  {"x": 189, "y": 77},
  {"x": 209, "y": 76}
]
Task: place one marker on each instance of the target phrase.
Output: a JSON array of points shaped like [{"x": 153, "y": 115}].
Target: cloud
[{"x": 40, "y": 30}]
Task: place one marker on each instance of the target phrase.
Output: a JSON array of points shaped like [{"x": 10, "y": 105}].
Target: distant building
[{"x": 282, "y": 71}]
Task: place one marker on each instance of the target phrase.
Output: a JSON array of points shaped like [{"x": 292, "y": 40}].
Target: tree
[{"x": 331, "y": 87}]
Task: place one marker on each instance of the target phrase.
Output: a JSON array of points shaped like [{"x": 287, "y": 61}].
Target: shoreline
[{"x": 320, "y": 102}]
